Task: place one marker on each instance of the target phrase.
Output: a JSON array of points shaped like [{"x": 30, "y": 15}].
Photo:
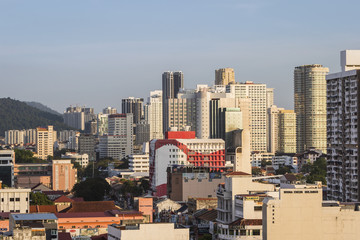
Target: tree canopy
[
  {"x": 26, "y": 156},
  {"x": 92, "y": 189},
  {"x": 39, "y": 198},
  {"x": 315, "y": 171}
]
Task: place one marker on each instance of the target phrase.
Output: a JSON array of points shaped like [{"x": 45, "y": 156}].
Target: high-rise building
[
  {"x": 102, "y": 124},
  {"x": 7, "y": 162},
  {"x": 269, "y": 97},
  {"x": 310, "y": 106},
  {"x": 224, "y": 76},
  {"x": 119, "y": 142},
  {"x": 172, "y": 83},
  {"x": 154, "y": 114},
  {"x": 134, "y": 106},
  {"x": 109, "y": 110},
  {"x": 64, "y": 175},
  {"x": 76, "y": 117},
  {"x": 142, "y": 132},
  {"x": 287, "y": 131},
  {"x": 343, "y": 96},
  {"x": 257, "y": 94},
  {"x": 87, "y": 144},
  {"x": 27, "y": 136},
  {"x": 273, "y": 129},
  {"x": 45, "y": 142}
]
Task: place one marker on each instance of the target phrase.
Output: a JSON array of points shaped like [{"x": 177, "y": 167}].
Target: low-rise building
[
  {"x": 300, "y": 213},
  {"x": 46, "y": 222},
  {"x": 81, "y": 159},
  {"x": 139, "y": 162},
  {"x": 285, "y": 160},
  {"x": 186, "y": 182},
  {"x": 151, "y": 231},
  {"x": 181, "y": 148},
  {"x": 14, "y": 200}
]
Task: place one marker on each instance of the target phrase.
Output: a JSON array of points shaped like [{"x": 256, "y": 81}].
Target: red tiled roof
[
  {"x": 238, "y": 174},
  {"x": 127, "y": 213},
  {"x": 43, "y": 209},
  {"x": 246, "y": 222},
  {"x": 92, "y": 206},
  {"x": 64, "y": 236},
  {"x": 210, "y": 215},
  {"x": 63, "y": 198},
  {"x": 83, "y": 214},
  {"x": 78, "y": 199}
]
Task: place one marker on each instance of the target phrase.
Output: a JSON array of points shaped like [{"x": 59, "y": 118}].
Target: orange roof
[
  {"x": 63, "y": 198},
  {"x": 238, "y": 174},
  {"x": 43, "y": 209}
]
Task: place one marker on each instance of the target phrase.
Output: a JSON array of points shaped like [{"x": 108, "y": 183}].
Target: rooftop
[{"x": 34, "y": 216}]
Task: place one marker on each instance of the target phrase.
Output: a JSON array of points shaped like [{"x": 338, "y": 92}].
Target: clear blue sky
[{"x": 95, "y": 52}]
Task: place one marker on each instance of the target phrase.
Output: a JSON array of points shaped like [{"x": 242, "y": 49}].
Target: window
[
  {"x": 11, "y": 199},
  {"x": 242, "y": 232},
  {"x": 17, "y": 199},
  {"x": 256, "y": 232}
]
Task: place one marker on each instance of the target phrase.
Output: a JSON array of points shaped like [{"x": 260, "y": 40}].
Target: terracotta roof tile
[
  {"x": 43, "y": 209},
  {"x": 210, "y": 215},
  {"x": 63, "y": 198},
  {"x": 92, "y": 206}
]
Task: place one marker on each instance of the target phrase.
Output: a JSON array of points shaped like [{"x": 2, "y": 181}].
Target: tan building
[
  {"x": 300, "y": 213},
  {"x": 258, "y": 96},
  {"x": 287, "y": 131},
  {"x": 64, "y": 175},
  {"x": 224, "y": 76},
  {"x": 310, "y": 106},
  {"x": 273, "y": 129},
  {"x": 45, "y": 139},
  {"x": 151, "y": 231},
  {"x": 14, "y": 200}
]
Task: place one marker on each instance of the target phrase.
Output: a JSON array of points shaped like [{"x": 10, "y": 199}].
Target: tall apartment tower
[
  {"x": 257, "y": 94},
  {"x": 224, "y": 76},
  {"x": 172, "y": 83},
  {"x": 109, "y": 110},
  {"x": 273, "y": 128},
  {"x": 134, "y": 106},
  {"x": 76, "y": 117},
  {"x": 286, "y": 131},
  {"x": 310, "y": 106},
  {"x": 269, "y": 97},
  {"x": 119, "y": 142},
  {"x": 343, "y": 96},
  {"x": 154, "y": 114},
  {"x": 45, "y": 138}
]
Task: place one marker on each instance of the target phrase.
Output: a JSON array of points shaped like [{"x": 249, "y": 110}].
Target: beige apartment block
[
  {"x": 287, "y": 131},
  {"x": 14, "y": 200},
  {"x": 45, "y": 138},
  {"x": 300, "y": 213},
  {"x": 224, "y": 76},
  {"x": 151, "y": 231},
  {"x": 310, "y": 106},
  {"x": 64, "y": 175}
]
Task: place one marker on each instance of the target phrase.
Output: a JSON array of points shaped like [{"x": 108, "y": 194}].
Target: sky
[{"x": 93, "y": 53}]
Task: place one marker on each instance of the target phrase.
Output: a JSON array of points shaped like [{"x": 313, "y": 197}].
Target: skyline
[{"x": 106, "y": 52}]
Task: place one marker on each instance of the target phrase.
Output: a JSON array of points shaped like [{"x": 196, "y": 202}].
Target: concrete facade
[{"x": 15, "y": 200}]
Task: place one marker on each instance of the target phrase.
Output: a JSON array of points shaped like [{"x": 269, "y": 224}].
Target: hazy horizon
[{"x": 94, "y": 53}]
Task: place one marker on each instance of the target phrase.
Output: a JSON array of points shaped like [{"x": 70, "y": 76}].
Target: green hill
[{"x": 15, "y": 114}]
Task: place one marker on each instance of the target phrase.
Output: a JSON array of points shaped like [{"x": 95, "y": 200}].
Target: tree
[
  {"x": 39, "y": 198},
  {"x": 283, "y": 170},
  {"x": 264, "y": 163},
  {"x": 316, "y": 171},
  {"x": 256, "y": 171},
  {"x": 92, "y": 189},
  {"x": 206, "y": 237},
  {"x": 26, "y": 156}
]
